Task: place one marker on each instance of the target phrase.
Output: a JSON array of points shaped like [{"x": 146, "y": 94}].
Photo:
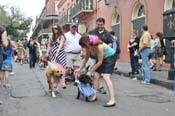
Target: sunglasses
[
  {"x": 74, "y": 26},
  {"x": 55, "y": 28}
]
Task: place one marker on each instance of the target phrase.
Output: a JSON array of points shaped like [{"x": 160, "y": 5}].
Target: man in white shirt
[{"x": 72, "y": 47}]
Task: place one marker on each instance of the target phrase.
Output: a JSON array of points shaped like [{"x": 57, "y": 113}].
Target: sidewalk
[{"x": 157, "y": 77}]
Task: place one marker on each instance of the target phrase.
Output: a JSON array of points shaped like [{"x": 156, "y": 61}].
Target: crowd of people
[
  {"x": 95, "y": 53},
  {"x": 149, "y": 50}
]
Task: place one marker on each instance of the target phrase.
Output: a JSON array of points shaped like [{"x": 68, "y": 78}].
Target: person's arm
[
  {"x": 100, "y": 54},
  {"x": 62, "y": 41},
  {"x": 48, "y": 47},
  {"x": 85, "y": 58}
]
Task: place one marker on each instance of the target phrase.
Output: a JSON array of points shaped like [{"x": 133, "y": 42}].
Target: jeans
[
  {"x": 145, "y": 64},
  {"x": 134, "y": 63},
  {"x": 32, "y": 60}
]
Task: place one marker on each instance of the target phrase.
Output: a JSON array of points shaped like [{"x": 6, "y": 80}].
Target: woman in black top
[{"x": 133, "y": 47}]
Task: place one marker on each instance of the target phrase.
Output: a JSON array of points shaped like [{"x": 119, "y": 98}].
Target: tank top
[{"x": 108, "y": 51}]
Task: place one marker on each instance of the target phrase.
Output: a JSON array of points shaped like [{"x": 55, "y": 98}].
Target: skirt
[
  {"x": 6, "y": 67},
  {"x": 107, "y": 65}
]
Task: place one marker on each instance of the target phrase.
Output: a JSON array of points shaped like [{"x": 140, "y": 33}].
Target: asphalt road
[{"x": 28, "y": 96}]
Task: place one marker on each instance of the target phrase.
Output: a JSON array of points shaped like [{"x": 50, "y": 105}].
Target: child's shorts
[{"x": 6, "y": 67}]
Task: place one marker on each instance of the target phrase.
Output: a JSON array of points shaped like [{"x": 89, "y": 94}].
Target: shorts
[
  {"x": 73, "y": 60},
  {"x": 158, "y": 52},
  {"x": 6, "y": 67}
]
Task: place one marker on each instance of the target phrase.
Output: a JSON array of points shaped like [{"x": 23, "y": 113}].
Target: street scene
[{"x": 87, "y": 57}]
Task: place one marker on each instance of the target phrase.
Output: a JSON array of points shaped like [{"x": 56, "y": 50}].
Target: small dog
[
  {"x": 53, "y": 74},
  {"x": 85, "y": 88}
]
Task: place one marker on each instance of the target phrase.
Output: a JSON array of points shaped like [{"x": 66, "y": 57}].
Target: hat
[{"x": 73, "y": 24}]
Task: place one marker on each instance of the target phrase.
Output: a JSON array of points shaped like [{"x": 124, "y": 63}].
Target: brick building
[
  {"x": 122, "y": 16},
  {"x": 48, "y": 16}
]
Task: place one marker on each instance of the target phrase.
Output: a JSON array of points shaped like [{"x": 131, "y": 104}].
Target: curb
[{"x": 167, "y": 84}]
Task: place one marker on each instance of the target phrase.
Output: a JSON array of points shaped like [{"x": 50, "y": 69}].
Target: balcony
[
  {"x": 46, "y": 31},
  {"x": 82, "y": 8},
  {"x": 65, "y": 20}
]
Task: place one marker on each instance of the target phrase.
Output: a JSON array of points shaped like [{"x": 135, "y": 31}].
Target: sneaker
[
  {"x": 135, "y": 79},
  {"x": 144, "y": 82},
  {"x": 7, "y": 86},
  {"x": 102, "y": 90},
  {"x": 12, "y": 73}
]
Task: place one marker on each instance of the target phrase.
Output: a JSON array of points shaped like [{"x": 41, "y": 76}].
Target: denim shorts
[{"x": 6, "y": 67}]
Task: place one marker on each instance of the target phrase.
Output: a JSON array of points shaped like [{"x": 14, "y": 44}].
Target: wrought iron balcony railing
[{"x": 82, "y": 8}]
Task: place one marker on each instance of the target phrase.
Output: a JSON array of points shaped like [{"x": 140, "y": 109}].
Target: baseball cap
[{"x": 73, "y": 24}]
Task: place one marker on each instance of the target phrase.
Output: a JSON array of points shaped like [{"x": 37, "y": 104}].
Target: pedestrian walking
[
  {"x": 3, "y": 43},
  {"x": 32, "y": 45},
  {"x": 104, "y": 64},
  {"x": 144, "y": 50},
  {"x": 7, "y": 64},
  {"x": 55, "y": 50},
  {"x": 157, "y": 53},
  {"x": 152, "y": 54}
]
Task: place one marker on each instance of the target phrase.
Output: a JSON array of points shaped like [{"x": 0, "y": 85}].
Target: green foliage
[{"x": 17, "y": 25}]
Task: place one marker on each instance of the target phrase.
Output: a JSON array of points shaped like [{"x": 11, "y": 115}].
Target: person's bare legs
[
  {"x": 95, "y": 85},
  {"x": 62, "y": 81},
  {"x": 3, "y": 78},
  {"x": 1, "y": 82},
  {"x": 6, "y": 73},
  {"x": 107, "y": 78}
]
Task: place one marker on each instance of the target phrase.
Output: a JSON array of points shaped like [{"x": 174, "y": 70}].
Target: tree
[{"x": 16, "y": 24}]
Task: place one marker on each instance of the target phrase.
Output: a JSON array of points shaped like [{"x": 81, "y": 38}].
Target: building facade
[
  {"x": 47, "y": 18},
  {"x": 122, "y": 16},
  {"x": 43, "y": 24}
]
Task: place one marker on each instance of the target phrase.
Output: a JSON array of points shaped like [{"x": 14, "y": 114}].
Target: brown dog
[
  {"x": 53, "y": 74},
  {"x": 42, "y": 62}
]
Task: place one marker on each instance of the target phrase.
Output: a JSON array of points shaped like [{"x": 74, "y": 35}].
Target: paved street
[{"x": 28, "y": 97}]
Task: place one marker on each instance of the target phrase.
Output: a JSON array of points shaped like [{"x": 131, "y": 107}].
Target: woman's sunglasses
[{"x": 55, "y": 28}]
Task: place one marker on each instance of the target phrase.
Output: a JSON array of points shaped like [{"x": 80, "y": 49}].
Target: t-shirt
[
  {"x": 72, "y": 42},
  {"x": 152, "y": 43},
  {"x": 134, "y": 40},
  {"x": 145, "y": 39},
  {"x": 32, "y": 47}
]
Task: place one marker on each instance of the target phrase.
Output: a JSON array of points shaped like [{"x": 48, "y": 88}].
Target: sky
[{"x": 30, "y": 8}]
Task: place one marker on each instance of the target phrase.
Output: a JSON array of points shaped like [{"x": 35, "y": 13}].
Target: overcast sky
[{"x": 30, "y": 8}]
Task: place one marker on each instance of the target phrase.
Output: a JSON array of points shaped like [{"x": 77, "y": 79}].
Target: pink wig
[{"x": 93, "y": 39}]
